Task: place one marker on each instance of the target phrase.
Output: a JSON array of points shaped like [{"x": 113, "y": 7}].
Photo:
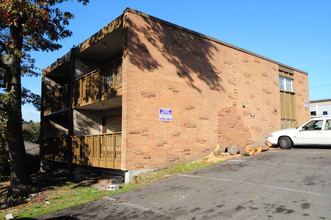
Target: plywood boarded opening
[{"x": 287, "y": 98}]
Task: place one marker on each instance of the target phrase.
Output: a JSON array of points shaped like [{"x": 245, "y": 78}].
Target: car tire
[{"x": 285, "y": 143}]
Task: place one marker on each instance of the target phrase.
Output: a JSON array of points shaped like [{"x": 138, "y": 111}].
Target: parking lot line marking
[
  {"x": 284, "y": 164},
  {"x": 131, "y": 205},
  {"x": 319, "y": 152},
  {"x": 257, "y": 184},
  {"x": 237, "y": 160}
]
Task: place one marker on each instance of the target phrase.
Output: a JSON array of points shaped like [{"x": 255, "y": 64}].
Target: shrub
[{"x": 31, "y": 131}]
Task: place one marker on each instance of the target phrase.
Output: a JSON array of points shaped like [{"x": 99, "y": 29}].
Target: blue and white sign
[
  {"x": 325, "y": 112},
  {"x": 306, "y": 104},
  {"x": 165, "y": 114}
]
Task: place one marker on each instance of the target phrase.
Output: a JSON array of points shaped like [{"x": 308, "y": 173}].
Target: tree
[
  {"x": 31, "y": 131},
  {"x": 4, "y": 157},
  {"x": 25, "y": 25}
]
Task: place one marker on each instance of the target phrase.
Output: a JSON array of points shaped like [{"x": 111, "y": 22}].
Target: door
[
  {"x": 310, "y": 133},
  {"x": 327, "y": 132}
]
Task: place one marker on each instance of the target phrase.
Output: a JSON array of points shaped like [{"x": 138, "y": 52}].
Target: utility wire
[{"x": 320, "y": 86}]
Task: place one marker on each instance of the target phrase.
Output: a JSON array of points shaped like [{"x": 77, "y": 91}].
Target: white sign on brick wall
[
  {"x": 306, "y": 104},
  {"x": 165, "y": 114}
]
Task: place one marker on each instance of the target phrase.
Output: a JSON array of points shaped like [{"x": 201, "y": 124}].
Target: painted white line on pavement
[
  {"x": 131, "y": 205},
  {"x": 284, "y": 164},
  {"x": 315, "y": 152},
  {"x": 237, "y": 160},
  {"x": 111, "y": 199},
  {"x": 257, "y": 184}
]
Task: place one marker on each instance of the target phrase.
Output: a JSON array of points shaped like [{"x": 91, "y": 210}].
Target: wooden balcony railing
[
  {"x": 102, "y": 150},
  {"x": 98, "y": 85},
  {"x": 56, "y": 100},
  {"x": 56, "y": 149}
]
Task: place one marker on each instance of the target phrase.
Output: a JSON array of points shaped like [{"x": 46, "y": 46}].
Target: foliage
[
  {"x": 150, "y": 177},
  {"x": 25, "y": 26},
  {"x": 32, "y": 98},
  {"x": 58, "y": 198},
  {"x": 4, "y": 160},
  {"x": 71, "y": 194},
  {"x": 4, "y": 157},
  {"x": 31, "y": 131},
  {"x": 42, "y": 25}
]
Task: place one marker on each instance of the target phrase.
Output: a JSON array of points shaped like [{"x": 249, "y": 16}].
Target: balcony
[
  {"x": 56, "y": 149},
  {"x": 56, "y": 100},
  {"x": 102, "y": 150},
  {"x": 98, "y": 85}
]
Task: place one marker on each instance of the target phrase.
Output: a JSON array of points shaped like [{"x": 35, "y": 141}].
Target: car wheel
[{"x": 285, "y": 143}]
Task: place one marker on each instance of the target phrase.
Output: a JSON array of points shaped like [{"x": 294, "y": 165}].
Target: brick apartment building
[{"x": 143, "y": 93}]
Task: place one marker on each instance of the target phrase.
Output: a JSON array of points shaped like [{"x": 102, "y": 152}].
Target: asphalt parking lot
[{"x": 278, "y": 184}]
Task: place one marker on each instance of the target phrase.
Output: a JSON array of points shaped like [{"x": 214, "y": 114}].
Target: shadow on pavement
[{"x": 313, "y": 146}]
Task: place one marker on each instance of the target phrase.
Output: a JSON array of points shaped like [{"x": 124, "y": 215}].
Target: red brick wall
[{"x": 213, "y": 90}]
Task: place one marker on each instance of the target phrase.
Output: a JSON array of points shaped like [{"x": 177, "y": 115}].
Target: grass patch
[
  {"x": 70, "y": 194},
  {"x": 151, "y": 177},
  {"x": 58, "y": 198}
]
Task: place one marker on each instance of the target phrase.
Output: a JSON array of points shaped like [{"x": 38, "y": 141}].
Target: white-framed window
[{"x": 285, "y": 84}]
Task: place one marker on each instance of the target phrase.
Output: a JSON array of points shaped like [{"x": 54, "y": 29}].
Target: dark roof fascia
[
  {"x": 57, "y": 63},
  {"x": 106, "y": 30},
  {"x": 210, "y": 38},
  {"x": 320, "y": 100}
]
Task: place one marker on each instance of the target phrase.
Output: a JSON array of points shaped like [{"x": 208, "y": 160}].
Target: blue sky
[{"x": 294, "y": 32}]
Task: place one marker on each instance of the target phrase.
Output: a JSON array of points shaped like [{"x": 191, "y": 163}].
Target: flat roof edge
[
  {"x": 116, "y": 23},
  {"x": 211, "y": 38},
  {"x": 320, "y": 100},
  {"x": 65, "y": 58},
  {"x": 110, "y": 27}
]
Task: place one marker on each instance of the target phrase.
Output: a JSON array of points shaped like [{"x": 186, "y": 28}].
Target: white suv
[{"x": 316, "y": 131}]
